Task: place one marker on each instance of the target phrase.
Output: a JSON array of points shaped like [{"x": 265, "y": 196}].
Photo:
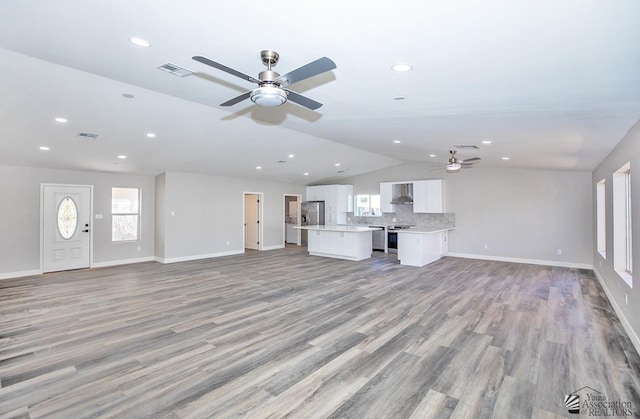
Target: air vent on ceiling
[
  {"x": 87, "y": 136},
  {"x": 467, "y": 147},
  {"x": 175, "y": 69}
]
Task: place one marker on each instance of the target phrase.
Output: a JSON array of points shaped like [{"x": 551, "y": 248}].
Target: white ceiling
[{"x": 554, "y": 84}]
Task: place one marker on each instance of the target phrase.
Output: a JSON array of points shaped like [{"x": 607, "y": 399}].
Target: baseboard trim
[
  {"x": 122, "y": 262},
  {"x": 19, "y": 274},
  {"x": 198, "y": 257},
  {"x": 635, "y": 340},
  {"x": 521, "y": 260}
]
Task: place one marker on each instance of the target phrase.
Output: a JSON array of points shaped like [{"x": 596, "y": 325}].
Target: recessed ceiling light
[
  {"x": 151, "y": 135},
  {"x": 258, "y": 167},
  {"x": 486, "y": 141},
  {"x": 44, "y": 148},
  {"x": 61, "y": 120},
  {"x": 396, "y": 141},
  {"x": 291, "y": 156},
  {"x": 337, "y": 164},
  {"x": 122, "y": 156},
  {"x": 128, "y": 95},
  {"x": 402, "y": 68},
  {"x": 505, "y": 158},
  {"x": 306, "y": 173},
  {"x": 432, "y": 155},
  {"x": 140, "y": 42}
]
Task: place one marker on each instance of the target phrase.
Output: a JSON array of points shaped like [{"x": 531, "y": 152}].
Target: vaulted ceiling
[{"x": 552, "y": 84}]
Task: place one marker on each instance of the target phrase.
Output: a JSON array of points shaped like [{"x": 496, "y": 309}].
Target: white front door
[
  {"x": 252, "y": 221},
  {"x": 66, "y": 213}
]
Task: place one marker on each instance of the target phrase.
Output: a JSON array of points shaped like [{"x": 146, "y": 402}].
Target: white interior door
[
  {"x": 252, "y": 221},
  {"x": 66, "y": 213}
]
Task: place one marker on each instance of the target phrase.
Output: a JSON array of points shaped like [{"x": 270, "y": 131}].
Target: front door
[
  {"x": 252, "y": 221},
  {"x": 66, "y": 213}
]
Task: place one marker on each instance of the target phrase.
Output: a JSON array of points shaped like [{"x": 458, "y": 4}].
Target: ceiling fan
[
  {"x": 272, "y": 87},
  {"x": 454, "y": 164}
]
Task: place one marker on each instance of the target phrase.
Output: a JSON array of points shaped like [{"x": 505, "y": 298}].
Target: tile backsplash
[{"x": 404, "y": 215}]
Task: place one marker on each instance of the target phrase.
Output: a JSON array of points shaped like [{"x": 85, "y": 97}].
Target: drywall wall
[
  {"x": 20, "y": 216},
  {"x": 518, "y": 214},
  {"x": 204, "y": 216},
  {"x": 624, "y": 298}
]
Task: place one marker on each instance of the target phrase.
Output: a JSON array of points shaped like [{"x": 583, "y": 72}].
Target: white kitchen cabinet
[
  {"x": 337, "y": 201},
  {"x": 386, "y": 195},
  {"x": 316, "y": 193},
  {"x": 341, "y": 242},
  {"x": 428, "y": 196},
  {"x": 444, "y": 243}
]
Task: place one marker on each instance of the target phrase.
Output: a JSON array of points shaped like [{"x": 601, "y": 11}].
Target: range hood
[{"x": 402, "y": 194}]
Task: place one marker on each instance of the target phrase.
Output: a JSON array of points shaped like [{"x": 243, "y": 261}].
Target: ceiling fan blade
[
  {"x": 302, "y": 100},
  {"x": 472, "y": 159},
  {"x": 205, "y": 60},
  {"x": 314, "y": 68},
  {"x": 237, "y": 99}
]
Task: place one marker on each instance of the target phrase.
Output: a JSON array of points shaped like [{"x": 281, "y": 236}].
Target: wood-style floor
[{"x": 283, "y": 334}]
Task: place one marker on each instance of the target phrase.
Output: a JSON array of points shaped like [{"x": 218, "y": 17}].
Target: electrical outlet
[
  {"x": 139, "y": 248},
  {"x": 228, "y": 243},
  {"x": 393, "y": 220},
  {"x": 486, "y": 246},
  {"x": 600, "y": 262},
  {"x": 559, "y": 251}
]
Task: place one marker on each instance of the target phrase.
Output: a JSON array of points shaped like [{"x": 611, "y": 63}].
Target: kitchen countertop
[
  {"x": 341, "y": 228},
  {"x": 423, "y": 230}
]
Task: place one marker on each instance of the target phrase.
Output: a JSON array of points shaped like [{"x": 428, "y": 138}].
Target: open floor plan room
[{"x": 284, "y": 334}]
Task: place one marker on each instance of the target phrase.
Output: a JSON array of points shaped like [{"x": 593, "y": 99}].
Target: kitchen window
[
  {"x": 367, "y": 205},
  {"x": 125, "y": 214},
  {"x": 622, "y": 239}
]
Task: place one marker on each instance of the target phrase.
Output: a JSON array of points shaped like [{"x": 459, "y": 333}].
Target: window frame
[
  {"x": 368, "y": 213},
  {"x": 124, "y": 214},
  {"x": 622, "y": 224},
  {"x": 601, "y": 218}
]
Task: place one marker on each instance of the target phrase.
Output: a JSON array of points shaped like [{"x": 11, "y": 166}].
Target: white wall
[
  {"x": 628, "y": 150},
  {"x": 519, "y": 214},
  {"x": 208, "y": 213},
  {"x": 20, "y": 216}
]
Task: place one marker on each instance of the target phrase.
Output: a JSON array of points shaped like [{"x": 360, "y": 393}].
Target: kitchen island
[
  {"x": 339, "y": 241},
  {"x": 422, "y": 245}
]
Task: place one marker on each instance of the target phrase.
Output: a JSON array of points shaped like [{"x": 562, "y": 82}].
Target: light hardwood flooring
[{"x": 283, "y": 334}]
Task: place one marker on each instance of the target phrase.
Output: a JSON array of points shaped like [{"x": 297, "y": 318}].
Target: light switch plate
[{"x": 99, "y": 216}]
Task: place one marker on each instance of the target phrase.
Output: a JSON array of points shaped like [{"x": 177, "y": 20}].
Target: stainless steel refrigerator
[{"x": 312, "y": 213}]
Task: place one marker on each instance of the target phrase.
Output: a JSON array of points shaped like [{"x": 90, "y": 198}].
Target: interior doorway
[
  {"x": 292, "y": 219},
  {"x": 65, "y": 229},
  {"x": 252, "y": 220}
]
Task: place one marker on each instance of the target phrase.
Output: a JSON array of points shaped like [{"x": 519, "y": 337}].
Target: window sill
[{"x": 626, "y": 277}]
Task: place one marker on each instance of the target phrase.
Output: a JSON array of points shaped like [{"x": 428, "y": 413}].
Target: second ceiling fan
[{"x": 272, "y": 87}]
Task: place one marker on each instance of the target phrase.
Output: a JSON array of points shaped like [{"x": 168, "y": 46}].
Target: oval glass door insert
[{"x": 67, "y": 218}]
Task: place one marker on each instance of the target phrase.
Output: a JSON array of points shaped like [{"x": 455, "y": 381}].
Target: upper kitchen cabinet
[
  {"x": 316, "y": 193},
  {"x": 428, "y": 196},
  {"x": 338, "y": 200},
  {"x": 386, "y": 195}
]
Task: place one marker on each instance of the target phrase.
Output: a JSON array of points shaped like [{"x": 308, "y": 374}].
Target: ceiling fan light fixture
[
  {"x": 269, "y": 96},
  {"x": 453, "y": 167}
]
